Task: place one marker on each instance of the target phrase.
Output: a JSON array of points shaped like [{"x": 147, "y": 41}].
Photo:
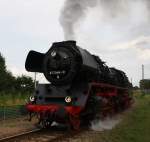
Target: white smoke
[
  {"x": 71, "y": 13},
  {"x": 75, "y": 11},
  {"x": 106, "y": 124}
]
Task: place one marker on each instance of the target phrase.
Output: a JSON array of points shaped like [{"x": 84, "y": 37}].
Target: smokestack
[{"x": 142, "y": 71}]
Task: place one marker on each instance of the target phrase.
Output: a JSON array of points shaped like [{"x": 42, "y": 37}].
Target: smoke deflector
[{"x": 34, "y": 62}]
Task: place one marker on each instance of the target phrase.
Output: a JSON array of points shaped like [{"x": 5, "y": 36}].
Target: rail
[{"x": 42, "y": 135}]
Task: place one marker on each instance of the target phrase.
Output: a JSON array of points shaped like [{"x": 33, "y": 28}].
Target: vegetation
[
  {"x": 10, "y": 99},
  {"x": 135, "y": 124},
  {"x": 13, "y": 88},
  {"x": 145, "y": 84}
]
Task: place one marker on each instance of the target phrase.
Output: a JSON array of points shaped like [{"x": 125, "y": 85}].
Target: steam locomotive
[{"x": 82, "y": 87}]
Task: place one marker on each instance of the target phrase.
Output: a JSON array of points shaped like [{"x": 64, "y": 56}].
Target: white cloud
[
  {"x": 16, "y": 71},
  {"x": 27, "y": 25}
]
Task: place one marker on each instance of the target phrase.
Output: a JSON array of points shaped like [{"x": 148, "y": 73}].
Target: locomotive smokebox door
[{"x": 60, "y": 64}]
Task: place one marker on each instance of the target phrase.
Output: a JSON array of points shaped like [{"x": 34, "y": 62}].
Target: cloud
[
  {"x": 27, "y": 25},
  {"x": 140, "y": 44},
  {"x": 20, "y": 71}
]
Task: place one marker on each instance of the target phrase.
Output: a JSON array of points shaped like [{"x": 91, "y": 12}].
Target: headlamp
[
  {"x": 68, "y": 99},
  {"x": 32, "y": 99}
]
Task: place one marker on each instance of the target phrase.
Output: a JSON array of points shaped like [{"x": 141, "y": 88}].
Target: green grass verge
[
  {"x": 135, "y": 126},
  {"x": 13, "y": 99}
]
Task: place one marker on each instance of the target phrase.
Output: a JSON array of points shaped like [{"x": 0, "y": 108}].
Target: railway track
[
  {"x": 42, "y": 135},
  {"x": 23, "y": 134}
]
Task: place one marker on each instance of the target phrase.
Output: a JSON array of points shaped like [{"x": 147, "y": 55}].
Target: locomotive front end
[
  {"x": 59, "y": 65},
  {"x": 59, "y": 104},
  {"x": 56, "y": 101}
]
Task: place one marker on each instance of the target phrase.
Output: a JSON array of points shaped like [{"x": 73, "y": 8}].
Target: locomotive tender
[{"x": 81, "y": 86}]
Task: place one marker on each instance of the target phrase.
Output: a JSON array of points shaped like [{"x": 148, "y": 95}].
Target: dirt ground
[
  {"x": 14, "y": 126},
  {"x": 19, "y": 125}
]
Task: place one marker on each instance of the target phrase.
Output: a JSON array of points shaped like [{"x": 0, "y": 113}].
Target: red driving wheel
[{"x": 75, "y": 121}]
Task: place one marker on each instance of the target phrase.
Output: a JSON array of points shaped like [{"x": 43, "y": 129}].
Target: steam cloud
[
  {"x": 76, "y": 10},
  {"x": 106, "y": 124},
  {"x": 72, "y": 12}
]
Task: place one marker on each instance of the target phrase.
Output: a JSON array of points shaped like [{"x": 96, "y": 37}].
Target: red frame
[{"x": 73, "y": 110}]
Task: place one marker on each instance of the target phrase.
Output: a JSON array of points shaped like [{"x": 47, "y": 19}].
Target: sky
[{"x": 121, "y": 37}]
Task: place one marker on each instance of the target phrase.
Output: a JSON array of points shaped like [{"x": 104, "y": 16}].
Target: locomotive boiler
[{"x": 82, "y": 87}]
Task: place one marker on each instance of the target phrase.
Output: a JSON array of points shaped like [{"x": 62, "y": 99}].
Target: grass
[
  {"x": 13, "y": 99},
  {"x": 12, "y": 105},
  {"x": 135, "y": 126}
]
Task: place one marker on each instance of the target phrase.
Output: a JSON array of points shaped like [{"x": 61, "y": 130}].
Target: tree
[
  {"x": 2, "y": 73},
  {"x": 9, "y": 83},
  {"x": 145, "y": 84},
  {"x": 24, "y": 84},
  {"x": 6, "y": 78},
  {"x": 2, "y": 64}
]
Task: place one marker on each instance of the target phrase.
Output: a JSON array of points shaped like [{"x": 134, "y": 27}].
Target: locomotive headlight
[
  {"x": 32, "y": 98},
  {"x": 68, "y": 99}
]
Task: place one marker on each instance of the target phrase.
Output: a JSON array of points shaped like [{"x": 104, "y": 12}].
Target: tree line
[
  {"x": 10, "y": 83},
  {"x": 145, "y": 84}
]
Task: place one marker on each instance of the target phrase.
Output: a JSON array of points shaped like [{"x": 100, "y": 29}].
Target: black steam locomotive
[{"x": 81, "y": 86}]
